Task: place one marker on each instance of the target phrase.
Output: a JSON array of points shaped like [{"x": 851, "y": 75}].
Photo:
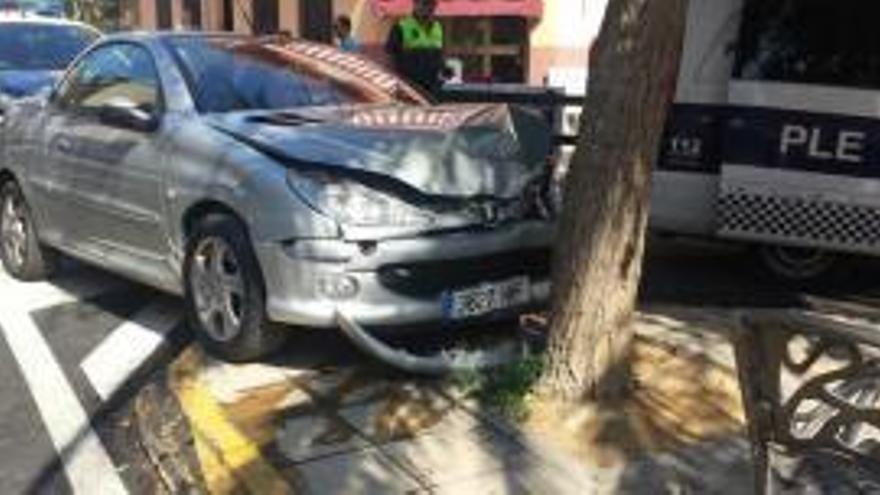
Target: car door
[{"x": 105, "y": 133}]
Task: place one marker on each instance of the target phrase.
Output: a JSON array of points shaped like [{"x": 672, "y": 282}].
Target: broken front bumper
[{"x": 397, "y": 282}]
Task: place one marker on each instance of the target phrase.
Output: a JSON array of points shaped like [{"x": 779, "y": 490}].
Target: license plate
[{"x": 487, "y": 298}]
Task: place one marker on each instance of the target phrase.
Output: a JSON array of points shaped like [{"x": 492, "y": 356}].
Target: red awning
[{"x": 464, "y": 8}]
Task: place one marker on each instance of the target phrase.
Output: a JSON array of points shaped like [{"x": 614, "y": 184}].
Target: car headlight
[{"x": 352, "y": 203}]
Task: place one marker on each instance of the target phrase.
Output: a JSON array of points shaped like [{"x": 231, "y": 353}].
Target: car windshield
[
  {"x": 228, "y": 74},
  {"x": 34, "y": 46}
]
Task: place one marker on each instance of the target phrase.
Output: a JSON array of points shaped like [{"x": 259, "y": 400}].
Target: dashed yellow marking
[{"x": 230, "y": 461}]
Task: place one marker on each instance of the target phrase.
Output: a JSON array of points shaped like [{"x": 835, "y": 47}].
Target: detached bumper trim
[{"x": 438, "y": 364}]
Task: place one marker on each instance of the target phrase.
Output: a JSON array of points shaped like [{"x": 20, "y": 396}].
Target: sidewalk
[{"x": 353, "y": 427}]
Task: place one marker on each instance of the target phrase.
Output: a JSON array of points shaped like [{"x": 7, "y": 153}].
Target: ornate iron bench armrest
[{"x": 811, "y": 386}]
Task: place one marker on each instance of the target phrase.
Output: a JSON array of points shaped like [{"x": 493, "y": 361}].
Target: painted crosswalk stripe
[
  {"x": 86, "y": 463},
  {"x": 130, "y": 345},
  {"x": 33, "y": 296}
]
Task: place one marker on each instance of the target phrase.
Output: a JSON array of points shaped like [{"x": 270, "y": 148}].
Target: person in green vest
[{"x": 415, "y": 46}]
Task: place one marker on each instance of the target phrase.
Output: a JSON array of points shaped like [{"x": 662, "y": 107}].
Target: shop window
[
  {"x": 491, "y": 49},
  {"x": 192, "y": 14},
  {"x": 163, "y": 14},
  {"x": 316, "y": 20},
  {"x": 265, "y": 16},
  {"x": 228, "y": 15}
]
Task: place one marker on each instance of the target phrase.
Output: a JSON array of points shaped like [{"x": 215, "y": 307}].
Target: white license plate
[{"x": 487, "y": 298}]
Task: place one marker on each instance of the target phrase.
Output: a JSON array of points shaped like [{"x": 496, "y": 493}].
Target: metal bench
[{"x": 811, "y": 391}]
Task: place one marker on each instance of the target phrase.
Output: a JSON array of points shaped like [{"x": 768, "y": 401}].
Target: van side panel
[{"x": 686, "y": 176}]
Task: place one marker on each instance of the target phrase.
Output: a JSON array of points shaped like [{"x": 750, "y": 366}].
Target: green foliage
[
  {"x": 103, "y": 14},
  {"x": 503, "y": 390}
]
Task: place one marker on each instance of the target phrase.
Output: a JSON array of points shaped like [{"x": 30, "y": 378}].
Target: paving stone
[
  {"x": 522, "y": 472},
  {"x": 493, "y": 483},
  {"x": 442, "y": 459},
  {"x": 361, "y": 473},
  {"x": 346, "y": 387},
  {"x": 399, "y": 417},
  {"x": 464, "y": 396},
  {"x": 310, "y": 434},
  {"x": 231, "y": 383},
  {"x": 536, "y": 474}
]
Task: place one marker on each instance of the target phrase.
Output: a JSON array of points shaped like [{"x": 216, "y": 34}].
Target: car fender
[{"x": 208, "y": 167}]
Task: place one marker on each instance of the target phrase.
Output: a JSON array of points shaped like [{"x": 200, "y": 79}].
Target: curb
[
  {"x": 229, "y": 461},
  {"x": 165, "y": 438}
]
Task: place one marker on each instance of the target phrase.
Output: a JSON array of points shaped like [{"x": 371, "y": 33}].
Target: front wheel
[
  {"x": 225, "y": 294},
  {"x": 797, "y": 264},
  {"x": 22, "y": 254}
]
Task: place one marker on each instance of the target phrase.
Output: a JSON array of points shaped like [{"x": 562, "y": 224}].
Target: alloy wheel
[
  {"x": 218, "y": 289},
  {"x": 13, "y": 230}
]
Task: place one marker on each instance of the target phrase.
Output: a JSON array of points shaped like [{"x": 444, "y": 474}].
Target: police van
[{"x": 774, "y": 136}]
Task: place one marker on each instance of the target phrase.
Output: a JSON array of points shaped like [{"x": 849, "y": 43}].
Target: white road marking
[
  {"x": 86, "y": 463},
  {"x": 33, "y": 296},
  {"x": 121, "y": 354}
]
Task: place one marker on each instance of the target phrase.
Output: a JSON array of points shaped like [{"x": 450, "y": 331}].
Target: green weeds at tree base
[{"x": 505, "y": 390}]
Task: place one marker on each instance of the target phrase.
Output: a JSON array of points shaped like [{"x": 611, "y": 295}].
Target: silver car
[{"x": 277, "y": 185}]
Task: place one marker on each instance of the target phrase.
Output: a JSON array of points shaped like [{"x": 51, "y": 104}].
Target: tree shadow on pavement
[
  {"x": 681, "y": 430},
  {"x": 320, "y": 418}
]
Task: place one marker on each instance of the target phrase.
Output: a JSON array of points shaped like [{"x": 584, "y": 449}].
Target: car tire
[
  {"x": 20, "y": 250},
  {"x": 225, "y": 293},
  {"x": 795, "y": 265}
]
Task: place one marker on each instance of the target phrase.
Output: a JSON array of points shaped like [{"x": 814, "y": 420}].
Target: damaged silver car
[{"x": 276, "y": 186}]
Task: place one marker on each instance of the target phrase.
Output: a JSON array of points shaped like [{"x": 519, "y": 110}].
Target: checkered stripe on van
[{"x": 750, "y": 215}]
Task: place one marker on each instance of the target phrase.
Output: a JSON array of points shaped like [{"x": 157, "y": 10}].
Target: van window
[{"x": 827, "y": 42}]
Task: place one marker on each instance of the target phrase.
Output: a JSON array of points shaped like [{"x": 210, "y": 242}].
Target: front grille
[{"x": 432, "y": 278}]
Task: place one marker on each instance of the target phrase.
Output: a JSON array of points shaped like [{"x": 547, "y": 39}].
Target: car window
[
  {"x": 33, "y": 46},
  {"x": 229, "y": 74},
  {"x": 115, "y": 72}
]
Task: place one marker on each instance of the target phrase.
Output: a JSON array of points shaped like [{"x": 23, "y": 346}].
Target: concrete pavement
[{"x": 349, "y": 430}]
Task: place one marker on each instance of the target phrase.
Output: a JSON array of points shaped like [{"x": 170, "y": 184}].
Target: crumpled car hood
[
  {"x": 447, "y": 150},
  {"x": 21, "y": 83}
]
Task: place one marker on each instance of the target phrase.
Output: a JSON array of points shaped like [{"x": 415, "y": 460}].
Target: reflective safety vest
[{"x": 417, "y": 36}]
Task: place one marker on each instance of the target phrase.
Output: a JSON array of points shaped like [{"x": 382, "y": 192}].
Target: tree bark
[{"x": 599, "y": 253}]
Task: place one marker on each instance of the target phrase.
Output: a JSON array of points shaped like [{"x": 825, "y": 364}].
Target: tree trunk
[{"x": 602, "y": 227}]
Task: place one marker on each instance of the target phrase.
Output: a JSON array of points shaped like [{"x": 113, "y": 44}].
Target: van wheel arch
[
  {"x": 798, "y": 265},
  {"x": 6, "y": 176}
]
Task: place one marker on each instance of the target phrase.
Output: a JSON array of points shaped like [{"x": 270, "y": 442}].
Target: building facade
[{"x": 504, "y": 41}]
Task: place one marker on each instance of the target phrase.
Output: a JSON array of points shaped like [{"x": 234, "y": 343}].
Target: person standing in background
[
  {"x": 415, "y": 46},
  {"x": 344, "y": 39}
]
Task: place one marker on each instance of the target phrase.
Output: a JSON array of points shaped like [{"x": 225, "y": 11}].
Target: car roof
[{"x": 141, "y": 35}]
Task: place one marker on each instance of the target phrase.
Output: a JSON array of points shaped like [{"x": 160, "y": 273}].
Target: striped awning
[{"x": 465, "y": 8}]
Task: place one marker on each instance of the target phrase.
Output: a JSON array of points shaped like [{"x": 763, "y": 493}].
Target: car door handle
[{"x": 63, "y": 145}]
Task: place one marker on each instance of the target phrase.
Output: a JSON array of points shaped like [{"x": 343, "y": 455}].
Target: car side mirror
[{"x": 126, "y": 114}]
